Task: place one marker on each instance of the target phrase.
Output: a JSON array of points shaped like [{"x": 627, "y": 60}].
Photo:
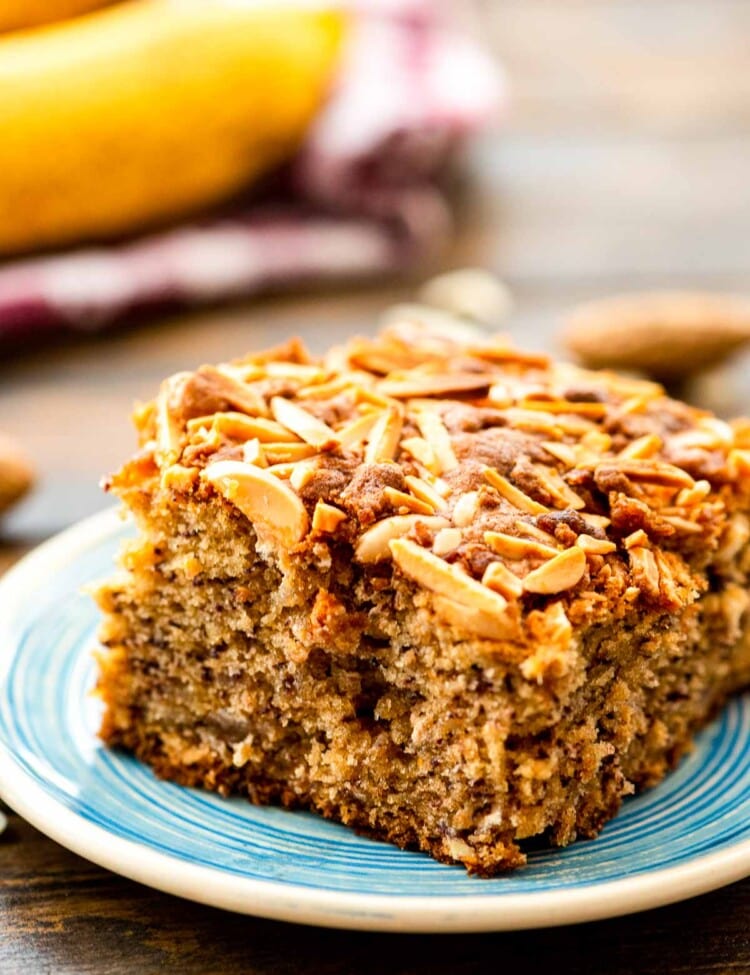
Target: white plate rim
[{"x": 334, "y": 909}]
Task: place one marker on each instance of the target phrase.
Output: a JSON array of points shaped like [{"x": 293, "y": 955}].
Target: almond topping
[
  {"x": 266, "y": 501},
  {"x": 597, "y": 521},
  {"x": 635, "y": 539},
  {"x": 307, "y": 427},
  {"x": 224, "y": 385},
  {"x": 594, "y": 410},
  {"x": 433, "y": 430},
  {"x": 499, "y": 577},
  {"x": 645, "y": 570},
  {"x": 555, "y": 486},
  {"x": 562, "y": 452},
  {"x": 409, "y": 385},
  {"x": 738, "y": 464},
  {"x": 478, "y": 622},
  {"x": 595, "y": 546},
  {"x": 642, "y": 448},
  {"x": 356, "y": 432},
  {"x": 302, "y": 473},
  {"x": 425, "y": 492},
  {"x": 438, "y": 576},
  {"x": 512, "y": 494},
  {"x": 681, "y": 524},
  {"x": 237, "y": 426},
  {"x": 532, "y": 531},
  {"x": 649, "y": 471},
  {"x": 326, "y": 518},
  {"x": 373, "y": 544},
  {"x": 422, "y": 451},
  {"x": 447, "y": 540},
  {"x": 384, "y": 438},
  {"x": 401, "y": 500},
  {"x": 252, "y": 453},
  {"x": 466, "y": 508},
  {"x": 169, "y": 430},
  {"x": 561, "y": 572},
  {"x": 285, "y": 453},
  {"x": 695, "y": 494},
  {"x": 515, "y": 548}
]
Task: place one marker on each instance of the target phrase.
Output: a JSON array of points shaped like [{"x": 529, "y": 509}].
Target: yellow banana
[
  {"x": 151, "y": 109},
  {"x": 19, "y": 14}
]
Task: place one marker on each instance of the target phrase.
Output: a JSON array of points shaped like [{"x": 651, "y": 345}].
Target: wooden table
[{"x": 624, "y": 164}]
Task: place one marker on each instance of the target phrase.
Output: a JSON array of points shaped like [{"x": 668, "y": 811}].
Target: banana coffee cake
[{"x": 445, "y": 592}]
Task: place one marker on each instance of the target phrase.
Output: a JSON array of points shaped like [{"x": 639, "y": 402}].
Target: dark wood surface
[{"x": 624, "y": 164}]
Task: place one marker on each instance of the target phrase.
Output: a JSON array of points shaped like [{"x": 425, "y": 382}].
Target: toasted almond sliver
[
  {"x": 238, "y": 426},
  {"x": 636, "y": 539},
  {"x": 644, "y": 569},
  {"x": 531, "y": 531},
  {"x": 682, "y": 524},
  {"x": 562, "y": 572},
  {"x": 425, "y": 492},
  {"x": 326, "y": 517},
  {"x": 499, "y": 577},
  {"x": 595, "y": 546},
  {"x": 447, "y": 540},
  {"x": 556, "y": 487},
  {"x": 284, "y": 471},
  {"x": 252, "y": 453},
  {"x": 465, "y": 509},
  {"x": 642, "y": 448},
  {"x": 225, "y": 385},
  {"x": 420, "y": 450},
  {"x": 400, "y": 499},
  {"x": 265, "y": 500},
  {"x": 373, "y": 544},
  {"x": 594, "y": 410},
  {"x": 649, "y": 471},
  {"x": 477, "y": 622},
  {"x": 306, "y": 426},
  {"x": 356, "y": 432},
  {"x": 411, "y": 384},
  {"x": 512, "y": 494},
  {"x": 302, "y": 473},
  {"x": 294, "y": 370},
  {"x": 384, "y": 438},
  {"x": 438, "y": 576},
  {"x": 562, "y": 452},
  {"x": 738, "y": 463},
  {"x": 695, "y": 494},
  {"x": 597, "y": 521},
  {"x": 434, "y": 432},
  {"x": 286, "y": 453},
  {"x": 168, "y": 428},
  {"x": 512, "y": 547}
]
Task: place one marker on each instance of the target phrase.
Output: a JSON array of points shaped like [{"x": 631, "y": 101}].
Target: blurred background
[{"x": 575, "y": 148}]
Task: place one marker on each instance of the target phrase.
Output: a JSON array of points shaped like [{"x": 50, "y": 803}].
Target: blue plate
[{"x": 689, "y": 835}]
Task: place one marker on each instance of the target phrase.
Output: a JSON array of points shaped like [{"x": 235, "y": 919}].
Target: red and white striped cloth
[{"x": 362, "y": 198}]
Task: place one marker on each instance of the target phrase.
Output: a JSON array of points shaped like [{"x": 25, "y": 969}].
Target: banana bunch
[{"x": 149, "y": 109}]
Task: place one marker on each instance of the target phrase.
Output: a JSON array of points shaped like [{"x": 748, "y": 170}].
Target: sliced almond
[
  {"x": 410, "y": 385},
  {"x": 681, "y": 524},
  {"x": 636, "y": 539},
  {"x": 355, "y": 433},
  {"x": 499, "y": 577},
  {"x": 555, "y": 406},
  {"x": 562, "y": 452},
  {"x": 265, "y": 500},
  {"x": 169, "y": 428},
  {"x": 447, "y": 540},
  {"x": 477, "y": 622},
  {"x": 226, "y": 386},
  {"x": 373, "y": 544},
  {"x": 561, "y": 572},
  {"x": 434, "y": 432},
  {"x": 302, "y": 473},
  {"x": 293, "y": 370},
  {"x": 306, "y": 426},
  {"x": 642, "y": 448},
  {"x": 384, "y": 438},
  {"x": 252, "y": 453},
  {"x": 419, "y": 449},
  {"x": 425, "y": 492},
  {"x": 286, "y": 453},
  {"x": 515, "y": 548},
  {"x": 595, "y": 546},
  {"x": 738, "y": 464},
  {"x": 645, "y": 570},
  {"x": 237, "y": 426},
  {"x": 433, "y": 573},
  {"x": 512, "y": 494},
  {"x": 531, "y": 531},
  {"x": 465, "y": 509},
  {"x": 650, "y": 472},
  {"x": 326, "y": 517},
  {"x": 695, "y": 494},
  {"x": 597, "y": 521},
  {"x": 555, "y": 486},
  {"x": 400, "y": 499}
]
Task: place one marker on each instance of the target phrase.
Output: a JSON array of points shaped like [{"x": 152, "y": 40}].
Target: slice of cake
[{"x": 450, "y": 594}]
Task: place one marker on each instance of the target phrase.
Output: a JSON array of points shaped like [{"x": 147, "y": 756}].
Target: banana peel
[
  {"x": 21, "y": 14},
  {"x": 149, "y": 110}
]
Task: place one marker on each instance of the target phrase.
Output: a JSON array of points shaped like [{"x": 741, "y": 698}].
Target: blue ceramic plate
[{"x": 689, "y": 835}]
